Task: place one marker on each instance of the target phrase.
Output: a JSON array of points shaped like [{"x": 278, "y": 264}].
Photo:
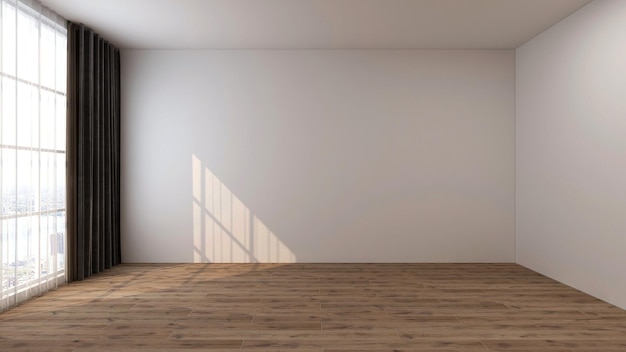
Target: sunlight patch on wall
[{"x": 225, "y": 230}]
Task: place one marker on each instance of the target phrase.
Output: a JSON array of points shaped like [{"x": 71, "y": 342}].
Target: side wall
[
  {"x": 318, "y": 156},
  {"x": 571, "y": 151}
]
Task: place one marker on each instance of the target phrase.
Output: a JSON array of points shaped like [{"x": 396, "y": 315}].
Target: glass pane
[
  {"x": 27, "y": 248},
  {"x": 52, "y": 244},
  {"x": 8, "y": 252},
  {"x": 27, "y": 48},
  {"x": 27, "y": 115},
  {"x": 61, "y": 62},
  {"x": 27, "y": 181},
  {"x": 8, "y": 39},
  {"x": 47, "y": 120},
  {"x": 8, "y": 184},
  {"x": 60, "y": 181},
  {"x": 45, "y": 228},
  {"x": 60, "y": 123},
  {"x": 8, "y": 111},
  {"x": 48, "y": 181},
  {"x": 58, "y": 241},
  {"x": 48, "y": 57}
]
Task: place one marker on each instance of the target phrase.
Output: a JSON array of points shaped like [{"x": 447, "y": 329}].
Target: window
[{"x": 33, "y": 57}]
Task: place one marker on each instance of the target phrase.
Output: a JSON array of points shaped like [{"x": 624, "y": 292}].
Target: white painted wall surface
[
  {"x": 571, "y": 151},
  {"x": 318, "y": 156}
]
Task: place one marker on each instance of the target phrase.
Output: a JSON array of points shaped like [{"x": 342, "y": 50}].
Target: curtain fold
[{"x": 93, "y": 153}]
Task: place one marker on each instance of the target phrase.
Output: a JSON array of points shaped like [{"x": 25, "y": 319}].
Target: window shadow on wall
[{"x": 225, "y": 230}]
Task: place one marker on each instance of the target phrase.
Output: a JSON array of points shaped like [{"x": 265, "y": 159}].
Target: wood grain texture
[{"x": 315, "y": 308}]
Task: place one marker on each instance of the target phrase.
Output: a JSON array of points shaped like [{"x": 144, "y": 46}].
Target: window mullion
[
  {"x": 53, "y": 269},
  {"x": 2, "y": 245},
  {"x": 17, "y": 43},
  {"x": 38, "y": 269}
]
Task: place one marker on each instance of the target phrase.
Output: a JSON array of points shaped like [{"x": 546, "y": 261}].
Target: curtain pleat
[{"x": 93, "y": 153}]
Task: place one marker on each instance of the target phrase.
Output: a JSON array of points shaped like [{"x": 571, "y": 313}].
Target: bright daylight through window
[{"x": 33, "y": 58}]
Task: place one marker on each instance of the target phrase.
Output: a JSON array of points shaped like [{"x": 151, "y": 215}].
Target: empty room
[{"x": 313, "y": 175}]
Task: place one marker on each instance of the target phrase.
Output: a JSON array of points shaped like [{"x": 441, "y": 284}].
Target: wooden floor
[{"x": 315, "y": 307}]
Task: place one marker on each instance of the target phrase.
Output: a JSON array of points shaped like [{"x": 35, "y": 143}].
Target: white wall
[
  {"x": 318, "y": 156},
  {"x": 571, "y": 151}
]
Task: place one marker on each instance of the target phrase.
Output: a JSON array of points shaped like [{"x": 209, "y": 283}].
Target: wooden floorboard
[{"x": 315, "y": 308}]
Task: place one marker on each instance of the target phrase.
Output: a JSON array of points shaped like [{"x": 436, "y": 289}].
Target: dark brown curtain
[{"x": 93, "y": 153}]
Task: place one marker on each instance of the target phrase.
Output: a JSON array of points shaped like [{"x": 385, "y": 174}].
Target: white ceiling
[{"x": 317, "y": 24}]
